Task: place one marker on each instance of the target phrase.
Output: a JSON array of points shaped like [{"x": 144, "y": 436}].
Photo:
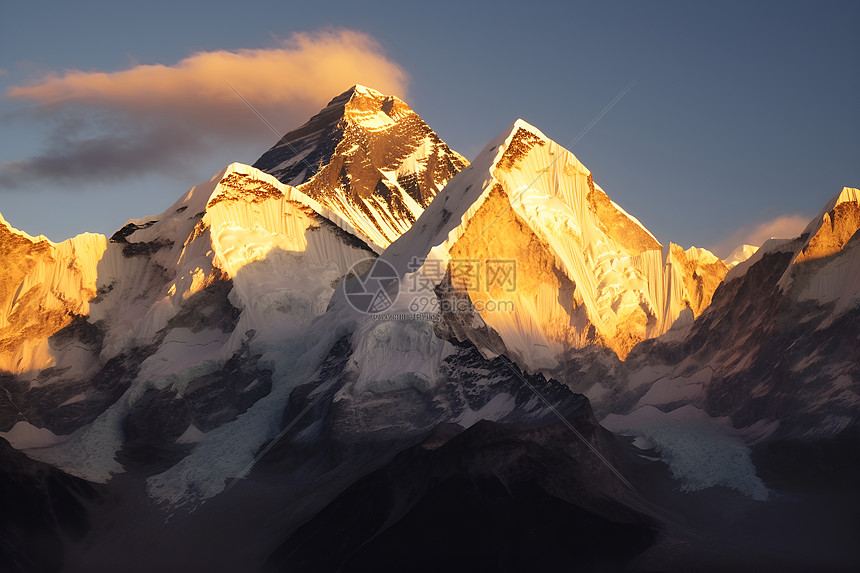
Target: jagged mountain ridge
[
  {"x": 215, "y": 272},
  {"x": 46, "y": 285},
  {"x": 369, "y": 158},
  {"x": 216, "y": 325},
  {"x": 184, "y": 293}
]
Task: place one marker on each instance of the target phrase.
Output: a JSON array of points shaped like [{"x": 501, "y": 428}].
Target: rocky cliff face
[
  {"x": 369, "y": 158},
  {"x": 778, "y": 340}
]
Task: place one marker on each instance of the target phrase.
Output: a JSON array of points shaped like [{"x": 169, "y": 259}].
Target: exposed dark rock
[
  {"x": 42, "y": 509},
  {"x": 521, "y": 143},
  {"x": 151, "y": 428},
  {"x": 348, "y": 238},
  {"x": 322, "y": 130},
  {"x": 81, "y": 332},
  {"x": 160, "y": 416},
  {"x": 62, "y": 406},
  {"x": 220, "y": 397},
  {"x": 238, "y": 186},
  {"x": 9, "y": 411},
  {"x": 122, "y": 235},
  {"x": 311, "y": 402},
  {"x": 144, "y": 249},
  {"x": 209, "y": 308}
]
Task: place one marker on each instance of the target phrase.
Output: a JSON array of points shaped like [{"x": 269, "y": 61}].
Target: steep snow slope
[
  {"x": 526, "y": 230},
  {"x": 43, "y": 287},
  {"x": 815, "y": 268},
  {"x": 369, "y": 158},
  {"x": 241, "y": 261},
  {"x": 232, "y": 228}
]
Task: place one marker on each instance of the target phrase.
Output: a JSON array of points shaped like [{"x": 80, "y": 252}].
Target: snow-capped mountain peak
[
  {"x": 739, "y": 255},
  {"x": 586, "y": 271},
  {"x": 368, "y": 157}
]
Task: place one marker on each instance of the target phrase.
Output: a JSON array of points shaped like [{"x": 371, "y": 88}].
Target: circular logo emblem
[{"x": 373, "y": 286}]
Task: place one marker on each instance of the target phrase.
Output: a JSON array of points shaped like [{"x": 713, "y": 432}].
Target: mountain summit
[
  {"x": 369, "y": 158},
  {"x": 587, "y": 272}
]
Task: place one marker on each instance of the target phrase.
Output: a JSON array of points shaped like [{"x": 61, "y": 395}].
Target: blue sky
[{"x": 742, "y": 118}]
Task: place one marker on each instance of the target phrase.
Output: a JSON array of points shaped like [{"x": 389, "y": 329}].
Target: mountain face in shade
[
  {"x": 776, "y": 350},
  {"x": 496, "y": 511},
  {"x": 369, "y": 158}
]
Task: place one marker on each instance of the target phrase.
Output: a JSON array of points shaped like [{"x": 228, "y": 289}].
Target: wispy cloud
[
  {"x": 783, "y": 227},
  {"x": 112, "y": 156},
  {"x": 150, "y": 117}
]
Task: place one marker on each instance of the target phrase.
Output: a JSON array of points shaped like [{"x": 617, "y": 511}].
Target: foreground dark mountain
[
  {"x": 502, "y": 498},
  {"x": 489, "y": 498},
  {"x": 212, "y": 374},
  {"x": 43, "y": 510}
]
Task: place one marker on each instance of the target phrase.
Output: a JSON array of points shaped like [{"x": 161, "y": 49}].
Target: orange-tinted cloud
[
  {"x": 783, "y": 227},
  {"x": 191, "y": 102}
]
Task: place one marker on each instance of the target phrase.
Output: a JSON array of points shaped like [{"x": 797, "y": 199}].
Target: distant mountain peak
[
  {"x": 355, "y": 97},
  {"x": 369, "y": 158},
  {"x": 358, "y": 88},
  {"x": 837, "y": 223},
  {"x": 739, "y": 255},
  {"x": 359, "y": 92}
]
